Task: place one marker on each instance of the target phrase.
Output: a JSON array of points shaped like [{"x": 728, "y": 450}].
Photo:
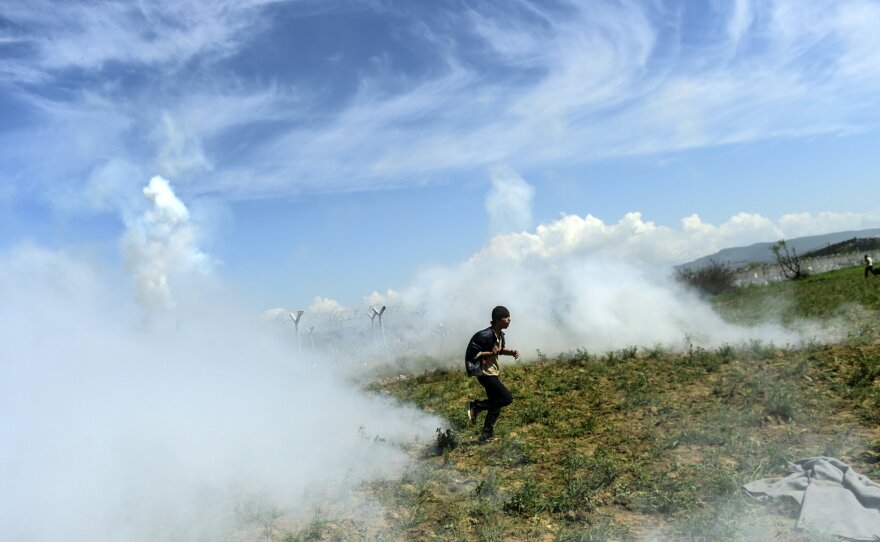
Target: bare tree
[{"x": 788, "y": 260}]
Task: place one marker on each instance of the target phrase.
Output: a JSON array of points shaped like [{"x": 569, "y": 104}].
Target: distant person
[
  {"x": 869, "y": 266},
  {"x": 481, "y": 360}
]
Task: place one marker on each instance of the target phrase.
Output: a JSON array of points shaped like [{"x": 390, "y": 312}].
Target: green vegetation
[{"x": 648, "y": 442}]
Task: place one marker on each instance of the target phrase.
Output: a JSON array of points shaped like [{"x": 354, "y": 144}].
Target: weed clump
[
  {"x": 582, "y": 476},
  {"x": 515, "y": 452},
  {"x": 865, "y": 372},
  {"x": 711, "y": 279},
  {"x": 445, "y": 442},
  {"x": 780, "y": 402},
  {"x": 489, "y": 486},
  {"x": 528, "y": 500},
  {"x": 533, "y": 411}
]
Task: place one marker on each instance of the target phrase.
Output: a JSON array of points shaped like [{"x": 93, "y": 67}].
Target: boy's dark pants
[{"x": 497, "y": 398}]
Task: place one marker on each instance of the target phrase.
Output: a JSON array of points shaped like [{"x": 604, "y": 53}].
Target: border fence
[{"x": 765, "y": 273}]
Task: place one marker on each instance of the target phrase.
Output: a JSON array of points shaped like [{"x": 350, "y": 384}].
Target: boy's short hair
[{"x": 499, "y": 312}]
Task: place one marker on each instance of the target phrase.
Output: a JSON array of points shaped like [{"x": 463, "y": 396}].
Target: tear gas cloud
[
  {"x": 572, "y": 283},
  {"x": 118, "y": 427},
  {"x": 561, "y": 305}
]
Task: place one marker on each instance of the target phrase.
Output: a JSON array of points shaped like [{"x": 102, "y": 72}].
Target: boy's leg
[
  {"x": 473, "y": 411},
  {"x": 498, "y": 397}
]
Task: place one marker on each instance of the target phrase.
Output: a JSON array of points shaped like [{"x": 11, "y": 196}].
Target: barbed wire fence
[
  {"x": 353, "y": 336},
  {"x": 765, "y": 273}
]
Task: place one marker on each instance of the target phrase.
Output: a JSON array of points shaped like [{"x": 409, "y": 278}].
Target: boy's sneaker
[
  {"x": 472, "y": 412},
  {"x": 486, "y": 437}
]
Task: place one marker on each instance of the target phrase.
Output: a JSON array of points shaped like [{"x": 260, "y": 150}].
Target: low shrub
[{"x": 711, "y": 279}]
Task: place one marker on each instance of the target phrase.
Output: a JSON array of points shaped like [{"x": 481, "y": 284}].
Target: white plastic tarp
[{"x": 835, "y": 500}]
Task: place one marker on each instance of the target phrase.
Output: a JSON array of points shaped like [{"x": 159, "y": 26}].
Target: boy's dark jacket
[{"x": 482, "y": 341}]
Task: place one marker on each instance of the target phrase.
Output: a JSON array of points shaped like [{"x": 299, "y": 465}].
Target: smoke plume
[
  {"x": 161, "y": 243},
  {"x": 116, "y": 431}
]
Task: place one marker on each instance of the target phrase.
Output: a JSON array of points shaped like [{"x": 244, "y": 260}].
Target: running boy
[{"x": 481, "y": 360}]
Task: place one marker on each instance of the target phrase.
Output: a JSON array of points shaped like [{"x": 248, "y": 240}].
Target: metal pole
[
  {"x": 296, "y": 319},
  {"x": 372, "y": 314},
  {"x": 382, "y": 327}
]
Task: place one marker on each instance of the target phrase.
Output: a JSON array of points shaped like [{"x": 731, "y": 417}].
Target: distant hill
[
  {"x": 760, "y": 252},
  {"x": 856, "y": 244}
]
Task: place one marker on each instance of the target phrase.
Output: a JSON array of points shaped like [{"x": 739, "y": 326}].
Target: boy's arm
[
  {"x": 480, "y": 349},
  {"x": 474, "y": 350}
]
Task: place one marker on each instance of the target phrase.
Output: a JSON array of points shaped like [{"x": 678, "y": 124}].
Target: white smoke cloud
[
  {"x": 581, "y": 282},
  {"x": 577, "y": 300},
  {"x": 509, "y": 203},
  {"x": 115, "y": 433},
  {"x": 160, "y": 244}
]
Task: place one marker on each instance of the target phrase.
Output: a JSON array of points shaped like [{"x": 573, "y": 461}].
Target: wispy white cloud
[
  {"x": 276, "y": 313},
  {"x": 88, "y": 36},
  {"x": 325, "y": 305},
  {"x": 535, "y": 84},
  {"x": 741, "y": 19},
  {"x": 181, "y": 153},
  {"x": 389, "y": 297},
  {"x": 607, "y": 82}
]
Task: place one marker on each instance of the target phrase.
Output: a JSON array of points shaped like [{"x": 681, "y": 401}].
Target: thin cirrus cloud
[
  {"x": 609, "y": 84},
  {"x": 87, "y": 36},
  {"x": 181, "y": 89}
]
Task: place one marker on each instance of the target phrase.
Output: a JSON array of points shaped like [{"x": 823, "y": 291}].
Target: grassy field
[{"x": 644, "y": 443}]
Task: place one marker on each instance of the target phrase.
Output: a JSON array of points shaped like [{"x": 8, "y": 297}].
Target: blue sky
[{"x": 339, "y": 148}]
